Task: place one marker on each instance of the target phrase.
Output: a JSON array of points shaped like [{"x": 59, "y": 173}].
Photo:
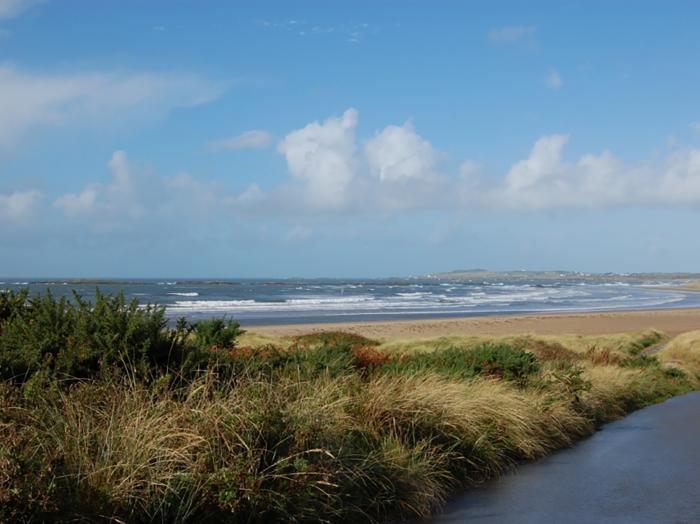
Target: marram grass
[{"x": 325, "y": 428}]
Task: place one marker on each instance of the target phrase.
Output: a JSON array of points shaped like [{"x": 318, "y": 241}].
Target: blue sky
[{"x": 347, "y": 138}]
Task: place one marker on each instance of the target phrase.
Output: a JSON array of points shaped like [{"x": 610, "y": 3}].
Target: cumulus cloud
[
  {"x": 680, "y": 180},
  {"x": 395, "y": 171},
  {"x": 511, "y": 34},
  {"x": 398, "y": 153},
  {"x": 117, "y": 197},
  {"x": 545, "y": 180},
  {"x": 18, "y": 206},
  {"x": 32, "y": 99},
  {"x": 13, "y": 8},
  {"x": 554, "y": 80},
  {"x": 321, "y": 156},
  {"x": 541, "y": 166},
  {"x": 74, "y": 204},
  {"x": 254, "y": 139}
]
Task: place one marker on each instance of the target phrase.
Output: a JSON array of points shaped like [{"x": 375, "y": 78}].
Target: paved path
[{"x": 642, "y": 469}]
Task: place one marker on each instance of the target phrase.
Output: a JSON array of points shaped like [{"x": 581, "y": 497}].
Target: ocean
[{"x": 279, "y": 301}]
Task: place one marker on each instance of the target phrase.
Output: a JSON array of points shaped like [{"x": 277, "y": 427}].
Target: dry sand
[{"x": 670, "y": 321}]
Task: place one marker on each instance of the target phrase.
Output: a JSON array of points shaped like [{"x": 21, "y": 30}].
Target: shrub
[
  {"x": 640, "y": 361},
  {"x": 545, "y": 349},
  {"x": 497, "y": 360},
  {"x": 80, "y": 339},
  {"x": 216, "y": 333}
]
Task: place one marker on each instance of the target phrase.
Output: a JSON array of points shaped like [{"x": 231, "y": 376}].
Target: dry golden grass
[
  {"x": 683, "y": 352},
  {"x": 612, "y": 388},
  {"x": 321, "y": 438},
  {"x": 122, "y": 442},
  {"x": 256, "y": 340},
  {"x": 621, "y": 342},
  {"x": 496, "y": 422}
]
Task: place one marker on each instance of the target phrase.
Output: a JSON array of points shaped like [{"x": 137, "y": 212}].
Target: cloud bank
[{"x": 396, "y": 170}]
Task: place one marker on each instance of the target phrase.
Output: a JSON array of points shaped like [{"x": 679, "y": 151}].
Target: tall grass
[
  {"x": 683, "y": 354},
  {"x": 325, "y": 428}
]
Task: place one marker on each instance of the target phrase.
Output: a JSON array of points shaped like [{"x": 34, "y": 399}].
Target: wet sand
[
  {"x": 670, "y": 321},
  {"x": 642, "y": 469}
]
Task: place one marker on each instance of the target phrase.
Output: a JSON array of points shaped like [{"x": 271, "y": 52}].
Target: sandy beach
[{"x": 670, "y": 321}]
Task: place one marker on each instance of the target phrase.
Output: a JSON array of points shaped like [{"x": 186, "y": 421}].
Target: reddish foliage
[
  {"x": 369, "y": 356},
  {"x": 545, "y": 350},
  {"x": 603, "y": 357},
  {"x": 250, "y": 351}
]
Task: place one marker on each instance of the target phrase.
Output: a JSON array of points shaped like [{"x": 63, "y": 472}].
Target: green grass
[{"x": 227, "y": 426}]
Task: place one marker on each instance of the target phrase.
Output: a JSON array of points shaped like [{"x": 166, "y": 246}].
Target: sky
[{"x": 347, "y": 138}]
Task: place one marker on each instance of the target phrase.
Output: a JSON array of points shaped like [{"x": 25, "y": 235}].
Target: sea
[{"x": 295, "y": 300}]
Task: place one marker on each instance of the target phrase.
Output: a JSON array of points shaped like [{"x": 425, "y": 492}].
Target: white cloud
[
  {"x": 695, "y": 126},
  {"x": 74, "y": 204},
  {"x": 546, "y": 181},
  {"x": 554, "y": 80},
  {"x": 119, "y": 197},
  {"x": 543, "y": 164},
  {"x": 680, "y": 181},
  {"x": 18, "y": 206},
  {"x": 511, "y": 34},
  {"x": 322, "y": 157},
  {"x": 13, "y": 8},
  {"x": 398, "y": 153},
  {"x": 395, "y": 172},
  {"x": 254, "y": 139},
  {"x": 31, "y": 99}
]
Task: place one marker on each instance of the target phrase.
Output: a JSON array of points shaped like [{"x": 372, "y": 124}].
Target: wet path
[{"x": 642, "y": 469}]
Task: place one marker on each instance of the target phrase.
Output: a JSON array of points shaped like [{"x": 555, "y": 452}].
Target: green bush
[
  {"x": 499, "y": 360},
  {"x": 640, "y": 361},
  {"x": 79, "y": 339},
  {"x": 216, "y": 333}
]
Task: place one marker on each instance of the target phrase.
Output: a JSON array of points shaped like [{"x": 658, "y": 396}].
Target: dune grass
[
  {"x": 328, "y": 427},
  {"x": 683, "y": 354}
]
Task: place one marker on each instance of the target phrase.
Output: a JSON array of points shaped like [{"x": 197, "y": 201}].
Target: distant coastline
[{"x": 475, "y": 274}]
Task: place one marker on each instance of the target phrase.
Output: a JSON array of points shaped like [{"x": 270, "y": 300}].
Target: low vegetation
[
  {"x": 683, "y": 354},
  {"x": 109, "y": 414}
]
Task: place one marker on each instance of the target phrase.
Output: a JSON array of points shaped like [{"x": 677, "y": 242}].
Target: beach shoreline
[{"x": 670, "y": 321}]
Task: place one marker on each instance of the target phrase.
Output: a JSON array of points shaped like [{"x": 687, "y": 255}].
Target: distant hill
[{"x": 475, "y": 274}]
